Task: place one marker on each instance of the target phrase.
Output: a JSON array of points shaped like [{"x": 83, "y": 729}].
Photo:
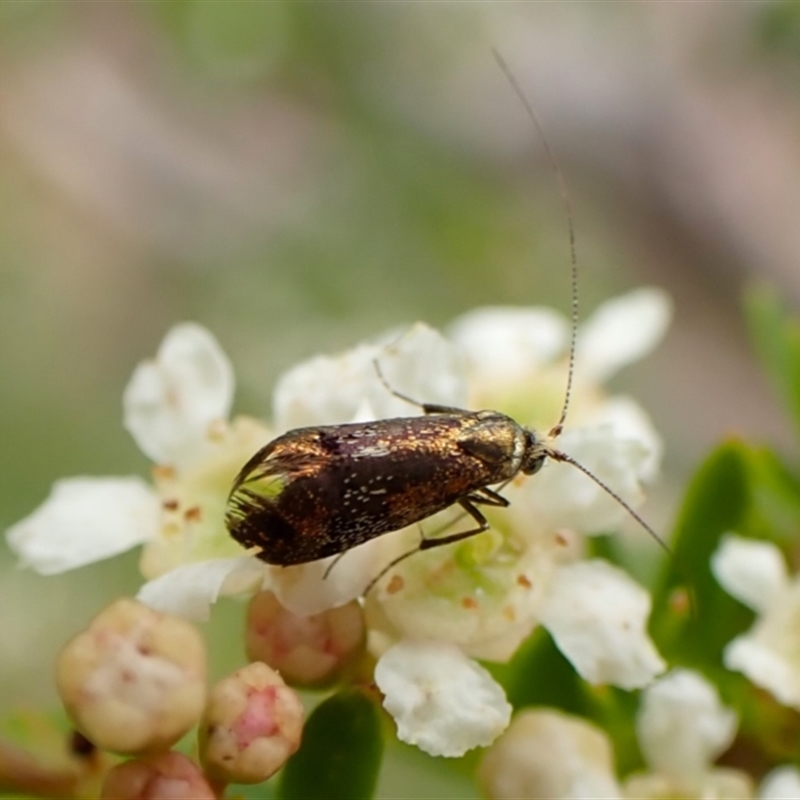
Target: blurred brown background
[{"x": 297, "y": 176}]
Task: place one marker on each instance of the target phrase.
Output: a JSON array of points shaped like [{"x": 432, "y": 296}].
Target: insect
[{"x": 319, "y": 491}]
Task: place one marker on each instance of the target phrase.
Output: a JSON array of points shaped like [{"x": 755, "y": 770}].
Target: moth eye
[{"x": 532, "y": 467}]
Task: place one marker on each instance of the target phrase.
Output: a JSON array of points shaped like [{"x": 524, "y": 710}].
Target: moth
[{"x": 319, "y": 491}]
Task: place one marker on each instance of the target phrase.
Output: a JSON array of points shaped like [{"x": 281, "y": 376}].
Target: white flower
[
  {"x": 478, "y": 598},
  {"x": 605, "y": 340},
  {"x": 312, "y": 588},
  {"x": 752, "y": 571},
  {"x": 329, "y": 390},
  {"x": 597, "y": 616},
  {"x": 85, "y": 520},
  {"x": 516, "y": 360},
  {"x": 442, "y": 701},
  {"x": 562, "y": 496},
  {"x": 171, "y": 402},
  {"x": 485, "y": 594},
  {"x": 549, "y": 754},
  {"x": 769, "y": 653},
  {"x": 176, "y": 408},
  {"x": 502, "y": 342},
  {"x": 719, "y": 784},
  {"x": 629, "y": 423},
  {"x": 517, "y": 357},
  {"x": 682, "y": 728},
  {"x": 482, "y": 594},
  {"x": 782, "y": 783},
  {"x": 189, "y": 590}
]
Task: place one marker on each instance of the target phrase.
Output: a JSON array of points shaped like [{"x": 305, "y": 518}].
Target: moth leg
[
  {"x": 394, "y": 562},
  {"x": 483, "y": 525},
  {"x": 488, "y": 498},
  {"x": 485, "y": 496},
  {"x": 466, "y": 503},
  {"x": 428, "y": 408},
  {"x": 434, "y": 408}
]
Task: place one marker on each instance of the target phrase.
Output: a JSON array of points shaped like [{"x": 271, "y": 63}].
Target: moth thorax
[{"x": 534, "y": 454}]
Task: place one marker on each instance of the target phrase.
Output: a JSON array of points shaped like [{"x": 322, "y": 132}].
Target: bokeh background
[{"x": 298, "y": 176}]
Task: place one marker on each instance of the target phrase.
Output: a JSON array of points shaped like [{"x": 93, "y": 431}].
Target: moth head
[{"x": 535, "y": 453}]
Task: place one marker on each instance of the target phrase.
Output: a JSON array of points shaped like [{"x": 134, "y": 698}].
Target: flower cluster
[
  {"x": 681, "y": 726},
  {"x": 432, "y": 614},
  {"x": 134, "y": 683}
]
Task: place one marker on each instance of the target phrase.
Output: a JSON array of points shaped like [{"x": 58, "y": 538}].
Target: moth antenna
[
  {"x": 557, "y": 455},
  {"x": 564, "y": 192},
  {"x": 379, "y": 371},
  {"x": 556, "y": 430}
]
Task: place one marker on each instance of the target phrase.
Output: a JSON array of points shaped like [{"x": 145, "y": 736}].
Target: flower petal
[
  {"x": 622, "y": 331},
  {"x": 442, "y": 701},
  {"x": 327, "y": 390},
  {"x": 549, "y": 754},
  {"x": 562, "y": 496},
  {"x": 85, "y": 520},
  {"x": 422, "y": 365},
  {"x": 782, "y": 783},
  {"x": 324, "y": 390},
  {"x": 503, "y": 343},
  {"x": 308, "y": 589},
  {"x": 682, "y": 726},
  {"x": 722, "y": 783},
  {"x": 190, "y": 590},
  {"x": 597, "y": 616},
  {"x": 769, "y": 653},
  {"x": 752, "y": 571},
  {"x": 629, "y": 421},
  {"x": 170, "y": 402},
  {"x": 436, "y": 594}
]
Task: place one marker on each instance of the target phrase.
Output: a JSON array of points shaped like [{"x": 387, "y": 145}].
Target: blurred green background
[{"x": 298, "y": 176}]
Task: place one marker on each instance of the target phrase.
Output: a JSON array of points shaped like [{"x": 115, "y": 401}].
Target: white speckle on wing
[{"x": 372, "y": 450}]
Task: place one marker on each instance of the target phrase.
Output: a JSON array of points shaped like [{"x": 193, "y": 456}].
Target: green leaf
[
  {"x": 776, "y": 337},
  {"x": 539, "y": 675},
  {"x": 616, "y": 711},
  {"x": 717, "y": 501},
  {"x": 341, "y": 751},
  {"x": 775, "y": 489}
]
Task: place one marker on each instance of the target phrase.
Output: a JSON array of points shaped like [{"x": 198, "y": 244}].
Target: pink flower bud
[
  {"x": 135, "y": 680},
  {"x": 164, "y": 776},
  {"x": 307, "y": 651},
  {"x": 251, "y": 725}
]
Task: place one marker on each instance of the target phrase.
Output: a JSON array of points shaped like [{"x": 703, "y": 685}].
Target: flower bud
[
  {"x": 135, "y": 680},
  {"x": 546, "y": 753},
  {"x": 163, "y": 776},
  {"x": 307, "y": 651},
  {"x": 251, "y": 725}
]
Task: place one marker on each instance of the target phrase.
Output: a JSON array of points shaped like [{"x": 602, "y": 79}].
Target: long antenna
[
  {"x": 557, "y": 455},
  {"x": 562, "y": 187}
]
